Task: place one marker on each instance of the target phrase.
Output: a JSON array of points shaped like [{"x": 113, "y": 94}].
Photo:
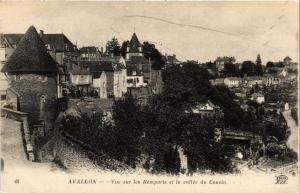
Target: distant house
[
  {"x": 135, "y": 58},
  {"x": 141, "y": 64},
  {"x": 81, "y": 79},
  {"x": 60, "y": 47},
  {"x": 33, "y": 77},
  {"x": 232, "y": 81},
  {"x": 258, "y": 97},
  {"x": 89, "y": 53},
  {"x": 271, "y": 80},
  {"x": 171, "y": 59},
  {"x": 221, "y": 61},
  {"x": 100, "y": 83},
  {"x": 282, "y": 72},
  {"x": 251, "y": 81},
  {"x": 208, "y": 110},
  {"x": 134, "y": 77},
  {"x": 115, "y": 74},
  {"x": 287, "y": 61}
]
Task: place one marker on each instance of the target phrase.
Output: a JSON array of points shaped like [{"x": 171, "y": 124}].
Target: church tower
[{"x": 134, "y": 48}]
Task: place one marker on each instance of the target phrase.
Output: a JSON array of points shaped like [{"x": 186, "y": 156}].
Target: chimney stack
[{"x": 42, "y": 33}]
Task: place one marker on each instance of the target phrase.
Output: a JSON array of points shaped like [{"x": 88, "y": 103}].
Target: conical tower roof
[
  {"x": 30, "y": 55},
  {"x": 134, "y": 44}
]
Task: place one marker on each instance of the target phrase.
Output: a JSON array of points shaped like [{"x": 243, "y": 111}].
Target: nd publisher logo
[{"x": 281, "y": 179}]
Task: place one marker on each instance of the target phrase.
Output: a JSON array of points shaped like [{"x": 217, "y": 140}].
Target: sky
[{"x": 192, "y": 30}]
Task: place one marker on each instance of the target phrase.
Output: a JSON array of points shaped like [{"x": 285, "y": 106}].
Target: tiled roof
[
  {"x": 30, "y": 55},
  {"x": 98, "y": 66},
  {"x": 11, "y": 39},
  {"x": 78, "y": 70},
  {"x": 57, "y": 42}
]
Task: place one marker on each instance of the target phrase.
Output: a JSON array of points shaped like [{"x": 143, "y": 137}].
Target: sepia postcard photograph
[{"x": 149, "y": 96}]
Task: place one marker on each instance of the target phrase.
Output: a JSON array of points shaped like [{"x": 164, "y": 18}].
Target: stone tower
[
  {"x": 134, "y": 48},
  {"x": 32, "y": 75}
]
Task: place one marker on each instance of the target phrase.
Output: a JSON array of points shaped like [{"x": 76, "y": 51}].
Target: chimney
[{"x": 42, "y": 34}]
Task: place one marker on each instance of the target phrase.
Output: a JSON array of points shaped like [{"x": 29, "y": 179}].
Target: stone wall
[
  {"x": 12, "y": 100},
  {"x": 23, "y": 118},
  {"x": 156, "y": 81},
  {"x": 37, "y": 97}
]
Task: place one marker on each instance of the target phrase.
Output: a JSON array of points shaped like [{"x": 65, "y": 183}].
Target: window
[
  {"x": 3, "y": 97},
  {"x": 44, "y": 78}
]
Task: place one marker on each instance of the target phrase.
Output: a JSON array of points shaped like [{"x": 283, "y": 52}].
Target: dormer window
[{"x": 66, "y": 47}]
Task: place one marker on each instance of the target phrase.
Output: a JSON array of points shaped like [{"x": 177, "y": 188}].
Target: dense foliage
[
  {"x": 294, "y": 113},
  {"x": 157, "y": 134},
  {"x": 113, "y": 47}
]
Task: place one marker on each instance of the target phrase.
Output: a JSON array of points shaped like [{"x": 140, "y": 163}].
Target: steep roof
[
  {"x": 287, "y": 58},
  {"x": 30, "y": 55},
  {"x": 11, "y": 39},
  {"x": 59, "y": 42},
  {"x": 134, "y": 44}
]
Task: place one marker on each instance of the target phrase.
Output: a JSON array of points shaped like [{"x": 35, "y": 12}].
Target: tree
[
  {"x": 248, "y": 68},
  {"x": 259, "y": 69},
  {"x": 113, "y": 47},
  {"x": 230, "y": 69},
  {"x": 270, "y": 64},
  {"x": 150, "y": 52},
  {"x": 127, "y": 131},
  {"x": 258, "y": 60},
  {"x": 279, "y": 64},
  {"x": 124, "y": 48}
]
